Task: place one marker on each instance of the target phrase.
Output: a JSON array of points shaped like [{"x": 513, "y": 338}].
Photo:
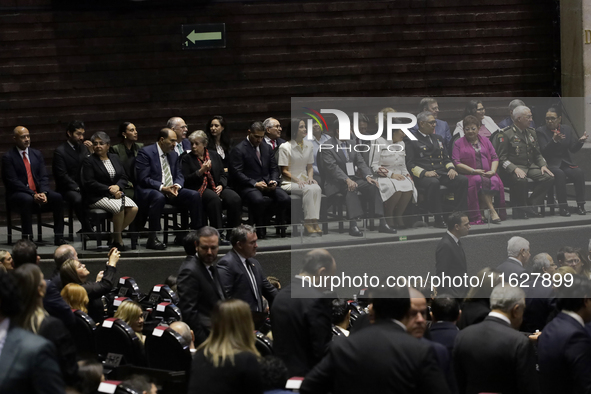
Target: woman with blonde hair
[
  {"x": 75, "y": 296},
  {"x": 131, "y": 313},
  {"x": 6, "y": 260},
  {"x": 227, "y": 362},
  {"x": 35, "y": 319}
]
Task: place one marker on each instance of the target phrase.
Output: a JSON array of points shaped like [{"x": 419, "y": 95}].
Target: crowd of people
[
  {"x": 205, "y": 175},
  {"x": 500, "y": 336}
]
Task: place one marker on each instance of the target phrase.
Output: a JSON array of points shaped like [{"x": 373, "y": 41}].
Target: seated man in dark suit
[
  {"x": 445, "y": 313},
  {"x": 540, "y": 300},
  {"x": 159, "y": 181},
  {"x": 181, "y": 130},
  {"x": 273, "y": 133},
  {"x": 492, "y": 356},
  {"x": 519, "y": 254},
  {"x": 28, "y": 362},
  {"x": 198, "y": 282},
  {"x": 27, "y": 186},
  {"x": 557, "y": 141},
  {"x": 67, "y": 162},
  {"x": 564, "y": 348},
  {"x": 385, "y": 357},
  {"x": 254, "y": 171},
  {"x": 344, "y": 171},
  {"x": 450, "y": 259},
  {"x": 241, "y": 275},
  {"x": 429, "y": 162}
]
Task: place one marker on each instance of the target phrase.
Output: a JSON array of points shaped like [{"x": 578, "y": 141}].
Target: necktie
[
  {"x": 344, "y": 146},
  {"x": 30, "y": 179},
  {"x": 180, "y": 149},
  {"x": 273, "y": 143},
  {"x": 258, "y": 155},
  {"x": 215, "y": 282},
  {"x": 166, "y": 169},
  {"x": 254, "y": 286}
]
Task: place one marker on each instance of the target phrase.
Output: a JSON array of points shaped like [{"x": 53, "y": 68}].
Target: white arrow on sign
[{"x": 207, "y": 36}]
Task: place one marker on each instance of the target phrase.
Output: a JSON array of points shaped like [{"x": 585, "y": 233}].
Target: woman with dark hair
[
  {"x": 296, "y": 161},
  {"x": 127, "y": 150},
  {"x": 73, "y": 271},
  {"x": 36, "y": 320},
  {"x": 203, "y": 170},
  {"x": 104, "y": 180},
  {"x": 557, "y": 142},
  {"x": 227, "y": 362},
  {"x": 475, "y": 157},
  {"x": 219, "y": 138},
  {"x": 487, "y": 126}
]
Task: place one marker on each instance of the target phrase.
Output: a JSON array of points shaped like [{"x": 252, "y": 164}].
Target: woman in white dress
[
  {"x": 296, "y": 159},
  {"x": 388, "y": 161}
]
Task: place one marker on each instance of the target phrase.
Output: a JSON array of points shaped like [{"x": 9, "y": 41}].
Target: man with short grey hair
[
  {"x": 518, "y": 256},
  {"x": 273, "y": 133},
  {"x": 181, "y": 129},
  {"x": 492, "y": 356},
  {"x": 241, "y": 275},
  {"x": 520, "y": 159}
]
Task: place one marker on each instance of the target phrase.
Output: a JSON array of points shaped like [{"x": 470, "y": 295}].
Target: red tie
[
  {"x": 273, "y": 142},
  {"x": 30, "y": 179}
]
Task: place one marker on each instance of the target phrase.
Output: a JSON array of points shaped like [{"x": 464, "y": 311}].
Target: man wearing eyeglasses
[
  {"x": 181, "y": 129},
  {"x": 273, "y": 133},
  {"x": 431, "y": 167},
  {"x": 520, "y": 159}
]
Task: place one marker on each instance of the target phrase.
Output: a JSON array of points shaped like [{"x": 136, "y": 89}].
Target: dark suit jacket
[
  {"x": 301, "y": 327},
  {"x": 97, "y": 180},
  {"x": 334, "y": 167},
  {"x": 509, "y": 267},
  {"x": 125, "y": 159},
  {"x": 450, "y": 260},
  {"x": 197, "y": 296},
  {"x": 55, "y": 332},
  {"x": 557, "y": 154},
  {"x": 149, "y": 171},
  {"x": 564, "y": 357},
  {"x": 67, "y": 163},
  {"x": 444, "y": 333},
  {"x": 28, "y": 364},
  {"x": 14, "y": 173},
  {"x": 422, "y": 155},
  {"x": 540, "y": 302},
  {"x": 474, "y": 311},
  {"x": 236, "y": 281},
  {"x": 55, "y": 305},
  {"x": 381, "y": 358},
  {"x": 245, "y": 168},
  {"x": 190, "y": 166},
  {"x": 492, "y": 357},
  {"x": 186, "y": 144}
]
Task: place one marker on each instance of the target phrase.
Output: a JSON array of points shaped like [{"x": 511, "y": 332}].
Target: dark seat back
[
  {"x": 116, "y": 337},
  {"x": 263, "y": 344},
  {"x": 166, "y": 349},
  {"x": 127, "y": 287},
  {"x": 162, "y": 293},
  {"x": 167, "y": 313},
  {"x": 83, "y": 333}
]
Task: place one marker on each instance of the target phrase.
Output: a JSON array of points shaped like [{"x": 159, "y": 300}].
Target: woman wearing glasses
[
  {"x": 487, "y": 126},
  {"x": 104, "y": 180}
]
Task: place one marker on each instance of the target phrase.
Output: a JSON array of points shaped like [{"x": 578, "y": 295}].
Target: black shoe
[
  {"x": 439, "y": 224},
  {"x": 581, "y": 210},
  {"x": 564, "y": 212},
  {"x": 354, "y": 231},
  {"x": 531, "y": 212},
  {"x": 496, "y": 221},
  {"x": 120, "y": 247},
  {"x": 155, "y": 244},
  {"x": 384, "y": 228},
  {"x": 58, "y": 241},
  {"x": 223, "y": 241}
]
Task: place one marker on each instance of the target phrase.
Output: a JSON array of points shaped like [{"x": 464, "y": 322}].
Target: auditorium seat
[
  {"x": 115, "y": 337},
  {"x": 167, "y": 350},
  {"x": 263, "y": 344},
  {"x": 167, "y": 313},
  {"x": 83, "y": 333},
  {"x": 127, "y": 287},
  {"x": 115, "y": 387},
  {"x": 162, "y": 293}
]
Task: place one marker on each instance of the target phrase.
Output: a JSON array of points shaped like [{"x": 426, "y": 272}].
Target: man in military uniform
[
  {"x": 520, "y": 157},
  {"x": 431, "y": 166}
]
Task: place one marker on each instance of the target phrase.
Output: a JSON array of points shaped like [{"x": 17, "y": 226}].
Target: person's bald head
[
  {"x": 184, "y": 331},
  {"x": 416, "y": 322},
  {"x": 22, "y": 138},
  {"x": 63, "y": 253}
]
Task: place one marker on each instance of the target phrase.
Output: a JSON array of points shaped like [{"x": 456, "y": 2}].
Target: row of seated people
[
  {"x": 211, "y": 170},
  {"x": 302, "y": 343}
]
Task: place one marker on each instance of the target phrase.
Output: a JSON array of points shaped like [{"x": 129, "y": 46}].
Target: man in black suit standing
[
  {"x": 428, "y": 160},
  {"x": 450, "y": 259},
  {"x": 67, "y": 162},
  {"x": 255, "y": 173},
  {"x": 564, "y": 348},
  {"x": 344, "y": 171},
  {"x": 492, "y": 356},
  {"x": 445, "y": 313},
  {"x": 241, "y": 275},
  {"x": 159, "y": 182},
  {"x": 519, "y": 254},
  {"x": 198, "y": 281},
  {"x": 381, "y": 358},
  {"x": 273, "y": 133},
  {"x": 27, "y": 185},
  {"x": 301, "y": 316}
]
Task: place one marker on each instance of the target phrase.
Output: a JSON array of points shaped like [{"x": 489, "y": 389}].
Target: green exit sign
[{"x": 204, "y": 36}]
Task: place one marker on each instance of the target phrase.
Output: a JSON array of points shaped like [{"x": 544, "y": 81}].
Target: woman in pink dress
[{"x": 475, "y": 157}]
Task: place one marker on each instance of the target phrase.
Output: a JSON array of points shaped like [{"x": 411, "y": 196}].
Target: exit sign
[{"x": 203, "y": 36}]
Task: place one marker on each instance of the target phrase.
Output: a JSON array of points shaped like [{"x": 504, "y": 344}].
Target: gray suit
[{"x": 28, "y": 364}]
